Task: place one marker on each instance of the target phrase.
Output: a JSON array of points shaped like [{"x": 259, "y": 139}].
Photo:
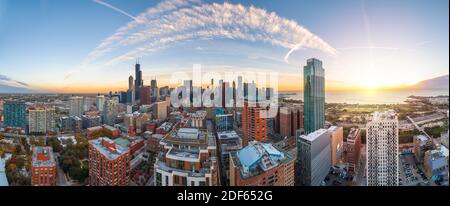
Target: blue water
[{"x": 368, "y": 97}]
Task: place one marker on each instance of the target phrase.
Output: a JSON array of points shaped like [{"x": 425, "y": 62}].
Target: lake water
[{"x": 368, "y": 97}]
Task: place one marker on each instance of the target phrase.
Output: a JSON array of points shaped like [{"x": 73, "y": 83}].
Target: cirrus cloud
[{"x": 174, "y": 21}]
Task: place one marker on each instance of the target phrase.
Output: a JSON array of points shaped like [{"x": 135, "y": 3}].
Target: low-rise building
[
  {"x": 435, "y": 164},
  {"x": 421, "y": 144},
  {"x": 43, "y": 167}
]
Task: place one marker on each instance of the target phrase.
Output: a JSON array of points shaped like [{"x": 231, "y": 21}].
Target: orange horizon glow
[{"x": 288, "y": 87}]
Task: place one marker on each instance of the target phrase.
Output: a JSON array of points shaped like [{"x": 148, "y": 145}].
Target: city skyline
[{"x": 65, "y": 51}]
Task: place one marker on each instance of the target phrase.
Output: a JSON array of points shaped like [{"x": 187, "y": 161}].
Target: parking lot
[
  {"x": 338, "y": 176},
  {"x": 410, "y": 174}
]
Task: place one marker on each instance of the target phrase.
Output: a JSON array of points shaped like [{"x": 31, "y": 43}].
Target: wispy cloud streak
[
  {"x": 5, "y": 80},
  {"x": 116, "y": 9},
  {"x": 174, "y": 21}
]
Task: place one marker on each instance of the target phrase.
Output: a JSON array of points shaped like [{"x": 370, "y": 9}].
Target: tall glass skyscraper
[
  {"x": 15, "y": 114},
  {"x": 314, "y": 95}
]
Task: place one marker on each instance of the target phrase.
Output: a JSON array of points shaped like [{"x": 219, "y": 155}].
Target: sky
[{"x": 92, "y": 45}]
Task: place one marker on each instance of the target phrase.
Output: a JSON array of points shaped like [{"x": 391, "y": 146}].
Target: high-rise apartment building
[
  {"x": 290, "y": 120},
  {"x": 261, "y": 164},
  {"x": 109, "y": 163},
  {"x": 76, "y": 106},
  {"x": 254, "y": 125},
  {"x": 314, "y": 95},
  {"x": 100, "y": 102},
  {"x": 37, "y": 121},
  {"x": 187, "y": 158},
  {"x": 160, "y": 110},
  {"x": 382, "y": 149},
  {"x": 15, "y": 114},
  {"x": 313, "y": 157},
  {"x": 145, "y": 95},
  {"x": 50, "y": 119},
  {"x": 110, "y": 112},
  {"x": 43, "y": 167}
]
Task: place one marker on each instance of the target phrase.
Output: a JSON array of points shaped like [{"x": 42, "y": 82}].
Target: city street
[
  {"x": 60, "y": 176},
  {"x": 361, "y": 175}
]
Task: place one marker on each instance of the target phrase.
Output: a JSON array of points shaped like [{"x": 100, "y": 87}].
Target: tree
[
  {"x": 12, "y": 168},
  {"x": 2, "y": 153},
  {"x": 54, "y": 143},
  {"x": 20, "y": 162},
  {"x": 18, "y": 149}
]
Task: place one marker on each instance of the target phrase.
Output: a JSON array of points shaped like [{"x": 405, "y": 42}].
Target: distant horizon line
[{"x": 284, "y": 91}]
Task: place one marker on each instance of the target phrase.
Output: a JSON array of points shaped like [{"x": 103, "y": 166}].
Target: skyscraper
[
  {"x": 37, "y": 123},
  {"x": 154, "y": 90},
  {"x": 291, "y": 119},
  {"x": 314, "y": 95},
  {"x": 15, "y": 114},
  {"x": 130, "y": 83},
  {"x": 254, "y": 127},
  {"x": 138, "y": 82},
  {"x": 110, "y": 112},
  {"x": 76, "y": 106},
  {"x": 100, "y": 102},
  {"x": 145, "y": 95},
  {"x": 50, "y": 119},
  {"x": 382, "y": 150}
]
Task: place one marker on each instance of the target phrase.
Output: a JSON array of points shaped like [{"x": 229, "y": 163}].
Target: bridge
[{"x": 421, "y": 129}]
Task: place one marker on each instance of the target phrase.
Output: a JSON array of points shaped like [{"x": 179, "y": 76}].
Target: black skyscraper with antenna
[{"x": 138, "y": 82}]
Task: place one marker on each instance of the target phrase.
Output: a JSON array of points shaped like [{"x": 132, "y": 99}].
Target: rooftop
[
  {"x": 122, "y": 142},
  {"x": 422, "y": 138},
  {"x": 108, "y": 147},
  {"x": 314, "y": 135},
  {"x": 43, "y": 157},
  {"x": 188, "y": 133},
  {"x": 387, "y": 115},
  {"x": 186, "y": 155},
  {"x": 228, "y": 135},
  {"x": 353, "y": 133},
  {"x": 258, "y": 157}
]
